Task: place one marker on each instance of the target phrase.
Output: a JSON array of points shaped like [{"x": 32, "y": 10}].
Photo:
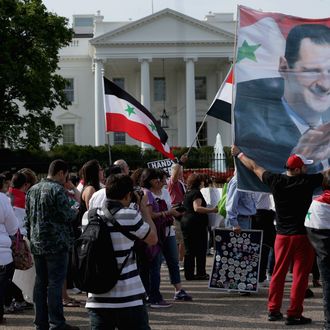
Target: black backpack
[{"x": 94, "y": 264}]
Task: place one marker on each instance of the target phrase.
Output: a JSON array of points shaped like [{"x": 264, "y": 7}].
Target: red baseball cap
[{"x": 297, "y": 161}]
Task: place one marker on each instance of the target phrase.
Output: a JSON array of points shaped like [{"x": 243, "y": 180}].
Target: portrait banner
[
  {"x": 236, "y": 260},
  {"x": 281, "y": 92}
]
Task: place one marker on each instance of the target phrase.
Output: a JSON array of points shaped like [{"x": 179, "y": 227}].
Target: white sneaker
[{"x": 73, "y": 291}]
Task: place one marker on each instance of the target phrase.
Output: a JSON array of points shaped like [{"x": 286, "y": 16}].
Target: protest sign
[{"x": 163, "y": 164}]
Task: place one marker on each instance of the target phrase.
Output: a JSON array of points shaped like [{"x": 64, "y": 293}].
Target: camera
[{"x": 136, "y": 191}]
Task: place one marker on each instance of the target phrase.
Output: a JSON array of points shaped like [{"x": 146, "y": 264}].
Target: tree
[{"x": 30, "y": 38}]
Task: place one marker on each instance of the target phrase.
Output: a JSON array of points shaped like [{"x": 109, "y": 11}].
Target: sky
[{"x": 123, "y": 10}]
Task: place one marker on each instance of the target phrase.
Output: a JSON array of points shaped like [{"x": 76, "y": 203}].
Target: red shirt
[
  {"x": 18, "y": 197},
  {"x": 176, "y": 191}
]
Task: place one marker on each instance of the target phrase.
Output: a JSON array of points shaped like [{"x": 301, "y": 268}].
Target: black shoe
[
  {"x": 204, "y": 277},
  {"x": 70, "y": 327},
  {"x": 297, "y": 320},
  {"x": 244, "y": 294},
  {"x": 275, "y": 316},
  {"x": 309, "y": 293}
]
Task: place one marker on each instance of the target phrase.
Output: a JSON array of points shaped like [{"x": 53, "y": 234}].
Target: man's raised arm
[{"x": 247, "y": 162}]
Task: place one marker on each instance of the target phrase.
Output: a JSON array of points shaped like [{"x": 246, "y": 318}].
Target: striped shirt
[{"x": 129, "y": 289}]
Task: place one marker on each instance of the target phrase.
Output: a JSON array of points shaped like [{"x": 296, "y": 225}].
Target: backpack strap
[{"x": 109, "y": 216}]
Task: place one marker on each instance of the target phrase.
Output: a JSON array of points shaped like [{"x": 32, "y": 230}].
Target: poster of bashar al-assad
[
  {"x": 282, "y": 92},
  {"x": 236, "y": 260}
]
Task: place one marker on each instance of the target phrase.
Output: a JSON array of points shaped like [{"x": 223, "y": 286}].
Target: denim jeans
[
  {"x": 320, "y": 239},
  {"x": 6, "y": 274},
  {"x": 47, "y": 294},
  {"x": 122, "y": 318},
  {"x": 170, "y": 253}
]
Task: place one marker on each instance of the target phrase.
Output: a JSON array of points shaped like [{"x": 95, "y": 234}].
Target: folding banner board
[{"x": 236, "y": 260}]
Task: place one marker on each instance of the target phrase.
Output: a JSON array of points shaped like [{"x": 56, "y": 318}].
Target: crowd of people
[{"x": 169, "y": 217}]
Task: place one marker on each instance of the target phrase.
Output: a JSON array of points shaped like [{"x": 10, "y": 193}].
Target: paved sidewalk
[{"x": 209, "y": 310}]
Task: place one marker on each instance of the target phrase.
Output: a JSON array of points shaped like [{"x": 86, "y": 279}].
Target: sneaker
[
  {"x": 73, "y": 291},
  {"x": 182, "y": 296},
  {"x": 275, "y": 316},
  {"x": 309, "y": 293},
  {"x": 160, "y": 304},
  {"x": 297, "y": 320},
  {"x": 23, "y": 305},
  {"x": 13, "y": 309}
]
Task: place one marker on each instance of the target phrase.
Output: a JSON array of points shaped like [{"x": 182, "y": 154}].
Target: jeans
[
  {"x": 122, "y": 318},
  {"x": 320, "y": 239},
  {"x": 6, "y": 274},
  {"x": 170, "y": 253},
  {"x": 264, "y": 220},
  {"x": 47, "y": 294}
]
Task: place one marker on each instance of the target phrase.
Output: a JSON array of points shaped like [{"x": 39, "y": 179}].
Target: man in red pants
[{"x": 292, "y": 193}]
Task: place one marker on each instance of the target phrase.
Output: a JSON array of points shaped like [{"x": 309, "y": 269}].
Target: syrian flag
[
  {"x": 123, "y": 113},
  {"x": 221, "y": 106}
]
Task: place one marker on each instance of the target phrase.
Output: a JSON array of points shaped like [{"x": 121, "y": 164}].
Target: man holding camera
[{"x": 122, "y": 307}]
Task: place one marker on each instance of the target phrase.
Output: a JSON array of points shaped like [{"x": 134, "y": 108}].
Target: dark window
[
  {"x": 68, "y": 134},
  {"x": 69, "y": 90},
  {"x": 200, "y": 88},
  {"x": 202, "y": 135},
  {"x": 119, "y": 138},
  {"x": 159, "y": 89},
  {"x": 120, "y": 82}
]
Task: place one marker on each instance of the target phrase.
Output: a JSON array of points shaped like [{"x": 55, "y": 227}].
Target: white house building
[{"x": 166, "y": 60}]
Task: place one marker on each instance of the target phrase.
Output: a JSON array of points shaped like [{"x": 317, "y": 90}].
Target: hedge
[{"x": 77, "y": 155}]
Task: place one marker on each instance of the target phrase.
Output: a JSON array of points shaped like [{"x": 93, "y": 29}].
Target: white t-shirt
[{"x": 8, "y": 226}]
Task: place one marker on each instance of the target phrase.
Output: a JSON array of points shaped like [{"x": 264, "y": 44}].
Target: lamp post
[
  {"x": 164, "y": 116},
  {"x": 164, "y": 119}
]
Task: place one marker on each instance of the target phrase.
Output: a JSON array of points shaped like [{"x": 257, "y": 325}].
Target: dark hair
[
  {"x": 74, "y": 178},
  {"x": 161, "y": 173},
  {"x": 31, "y": 177},
  {"x": 326, "y": 180},
  {"x": 136, "y": 176},
  {"x": 56, "y": 166},
  {"x": 90, "y": 174},
  {"x": 319, "y": 34},
  {"x": 7, "y": 174},
  {"x": 114, "y": 169},
  {"x": 2, "y": 180},
  {"x": 194, "y": 181},
  {"x": 147, "y": 175},
  {"x": 118, "y": 186},
  {"x": 18, "y": 180}
]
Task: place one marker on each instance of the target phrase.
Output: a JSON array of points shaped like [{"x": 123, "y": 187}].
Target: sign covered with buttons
[{"x": 236, "y": 260}]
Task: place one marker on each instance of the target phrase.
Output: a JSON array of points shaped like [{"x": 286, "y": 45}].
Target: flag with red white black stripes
[{"x": 123, "y": 113}]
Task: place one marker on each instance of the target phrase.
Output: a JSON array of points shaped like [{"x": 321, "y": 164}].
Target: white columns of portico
[
  {"x": 99, "y": 103},
  {"x": 145, "y": 88},
  {"x": 190, "y": 101}
]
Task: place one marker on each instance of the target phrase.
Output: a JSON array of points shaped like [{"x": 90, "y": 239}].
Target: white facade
[{"x": 167, "y": 45}]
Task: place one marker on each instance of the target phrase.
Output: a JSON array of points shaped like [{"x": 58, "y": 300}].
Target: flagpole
[
  {"x": 109, "y": 149},
  {"x": 199, "y": 129}
]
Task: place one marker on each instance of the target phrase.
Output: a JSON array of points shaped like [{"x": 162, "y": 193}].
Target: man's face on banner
[{"x": 308, "y": 82}]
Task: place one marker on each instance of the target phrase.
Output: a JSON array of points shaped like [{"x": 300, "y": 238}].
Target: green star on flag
[
  {"x": 129, "y": 110},
  {"x": 309, "y": 215},
  {"x": 152, "y": 126},
  {"x": 247, "y": 51}
]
